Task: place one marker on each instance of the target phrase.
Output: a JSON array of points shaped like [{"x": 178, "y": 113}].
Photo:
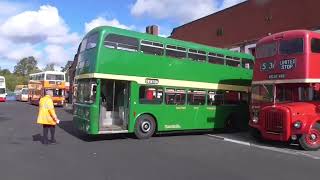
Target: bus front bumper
[
  {"x": 81, "y": 124},
  {"x": 273, "y": 136},
  {"x": 2, "y": 99}
]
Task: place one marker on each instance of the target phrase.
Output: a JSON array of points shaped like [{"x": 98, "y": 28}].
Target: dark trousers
[{"x": 46, "y": 129}]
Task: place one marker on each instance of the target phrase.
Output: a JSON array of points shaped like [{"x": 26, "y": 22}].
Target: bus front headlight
[
  {"x": 87, "y": 114},
  {"x": 255, "y": 120},
  {"x": 255, "y": 117},
  {"x": 87, "y": 127},
  {"x": 297, "y": 124}
]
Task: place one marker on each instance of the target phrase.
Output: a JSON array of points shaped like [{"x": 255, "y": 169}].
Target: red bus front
[{"x": 285, "y": 92}]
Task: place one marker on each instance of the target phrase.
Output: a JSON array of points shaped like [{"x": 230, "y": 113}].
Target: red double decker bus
[{"x": 285, "y": 88}]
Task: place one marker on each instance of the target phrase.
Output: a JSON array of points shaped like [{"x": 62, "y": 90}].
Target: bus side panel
[
  {"x": 134, "y": 100},
  {"x": 95, "y": 111},
  {"x": 185, "y": 117},
  {"x": 205, "y": 117}
]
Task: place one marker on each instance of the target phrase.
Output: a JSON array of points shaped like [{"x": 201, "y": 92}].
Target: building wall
[{"x": 249, "y": 21}]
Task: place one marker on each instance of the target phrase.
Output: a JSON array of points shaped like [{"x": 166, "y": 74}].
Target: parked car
[{"x": 22, "y": 95}]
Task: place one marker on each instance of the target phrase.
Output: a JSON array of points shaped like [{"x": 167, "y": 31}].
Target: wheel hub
[
  {"x": 313, "y": 137},
  {"x": 145, "y": 126}
]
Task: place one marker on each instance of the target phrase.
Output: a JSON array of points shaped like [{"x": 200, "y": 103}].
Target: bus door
[{"x": 114, "y": 106}]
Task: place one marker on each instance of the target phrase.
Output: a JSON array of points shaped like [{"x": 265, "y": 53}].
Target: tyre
[
  {"x": 255, "y": 133},
  {"x": 145, "y": 127},
  {"x": 231, "y": 124},
  {"x": 311, "y": 141}
]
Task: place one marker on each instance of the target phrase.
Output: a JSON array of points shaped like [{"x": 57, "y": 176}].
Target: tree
[
  {"x": 12, "y": 80},
  {"x": 26, "y": 66},
  {"x": 67, "y": 66},
  {"x": 49, "y": 67},
  {"x": 4, "y": 72}
]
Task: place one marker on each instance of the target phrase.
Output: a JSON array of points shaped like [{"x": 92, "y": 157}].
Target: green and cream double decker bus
[{"x": 131, "y": 82}]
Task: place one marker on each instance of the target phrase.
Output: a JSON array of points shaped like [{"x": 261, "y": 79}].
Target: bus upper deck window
[
  {"x": 153, "y": 48},
  {"x": 315, "y": 45},
  {"x": 176, "y": 51},
  {"x": 92, "y": 41},
  {"x": 292, "y": 46},
  {"x": 232, "y": 61},
  {"x": 266, "y": 50},
  {"x": 247, "y": 63},
  {"x": 214, "y": 58},
  {"x": 197, "y": 55},
  {"x": 121, "y": 42}
]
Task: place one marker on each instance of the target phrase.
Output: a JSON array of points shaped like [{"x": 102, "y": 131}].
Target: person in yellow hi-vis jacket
[{"x": 47, "y": 117}]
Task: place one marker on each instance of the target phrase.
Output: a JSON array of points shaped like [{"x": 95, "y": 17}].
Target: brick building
[
  {"x": 71, "y": 74},
  {"x": 239, "y": 27}
]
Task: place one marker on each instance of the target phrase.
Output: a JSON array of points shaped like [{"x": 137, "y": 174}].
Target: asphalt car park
[{"x": 166, "y": 156}]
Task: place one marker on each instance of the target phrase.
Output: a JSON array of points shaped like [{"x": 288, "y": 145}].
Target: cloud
[
  {"x": 13, "y": 52},
  {"x": 71, "y": 38},
  {"x": 22, "y": 51},
  {"x": 57, "y": 54},
  {"x": 101, "y": 21},
  {"x": 229, "y": 3},
  {"x": 37, "y": 26},
  {"x": 180, "y": 10},
  {"x": 41, "y": 33}
]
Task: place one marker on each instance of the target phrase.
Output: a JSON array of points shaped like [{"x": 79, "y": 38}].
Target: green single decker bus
[{"x": 131, "y": 82}]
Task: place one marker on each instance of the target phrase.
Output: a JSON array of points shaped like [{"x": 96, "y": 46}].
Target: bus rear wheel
[
  {"x": 311, "y": 140},
  {"x": 232, "y": 124},
  {"x": 145, "y": 127}
]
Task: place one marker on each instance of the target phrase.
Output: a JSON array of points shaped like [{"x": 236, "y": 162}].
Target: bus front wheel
[
  {"x": 145, "y": 127},
  {"x": 311, "y": 140}
]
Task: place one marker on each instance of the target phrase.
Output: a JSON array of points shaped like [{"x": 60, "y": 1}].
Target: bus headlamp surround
[
  {"x": 87, "y": 114},
  {"x": 297, "y": 124},
  {"x": 255, "y": 120},
  {"x": 88, "y": 127},
  {"x": 255, "y": 117}
]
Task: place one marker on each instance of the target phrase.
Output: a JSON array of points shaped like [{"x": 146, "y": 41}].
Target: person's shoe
[{"x": 53, "y": 141}]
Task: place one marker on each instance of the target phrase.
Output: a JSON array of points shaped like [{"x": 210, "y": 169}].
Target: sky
[{"x": 51, "y": 30}]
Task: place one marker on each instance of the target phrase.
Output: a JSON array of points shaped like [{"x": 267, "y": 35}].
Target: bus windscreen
[{"x": 57, "y": 77}]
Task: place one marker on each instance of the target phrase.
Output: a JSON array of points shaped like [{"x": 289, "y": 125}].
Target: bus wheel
[
  {"x": 230, "y": 124},
  {"x": 255, "y": 133},
  {"x": 145, "y": 127},
  {"x": 311, "y": 141}
]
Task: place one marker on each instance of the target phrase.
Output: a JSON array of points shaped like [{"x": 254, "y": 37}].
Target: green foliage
[
  {"x": 26, "y": 66},
  {"x": 4, "y": 72},
  {"x": 21, "y": 71},
  {"x": 67, "y": 66},
  {"x": 49, "y": 67},
  {"x": 12, "y": 79}
]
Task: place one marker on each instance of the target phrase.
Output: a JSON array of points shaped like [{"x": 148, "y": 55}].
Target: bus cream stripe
[
  {"x": 287, "y": 81},
  {"x": 166, "y": 82}
]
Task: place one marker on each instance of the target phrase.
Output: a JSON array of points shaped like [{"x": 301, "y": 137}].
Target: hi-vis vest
[{"x": 46, "y": 111}]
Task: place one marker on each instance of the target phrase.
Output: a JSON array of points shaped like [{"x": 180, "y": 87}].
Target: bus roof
[
  {"x": 169, "y": 41},
  {"x": 284, "y": 34},
  {"x": 48, "y": 72}
]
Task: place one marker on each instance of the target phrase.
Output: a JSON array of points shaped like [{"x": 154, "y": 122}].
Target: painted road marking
[{"x": 275, "y": 149}]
